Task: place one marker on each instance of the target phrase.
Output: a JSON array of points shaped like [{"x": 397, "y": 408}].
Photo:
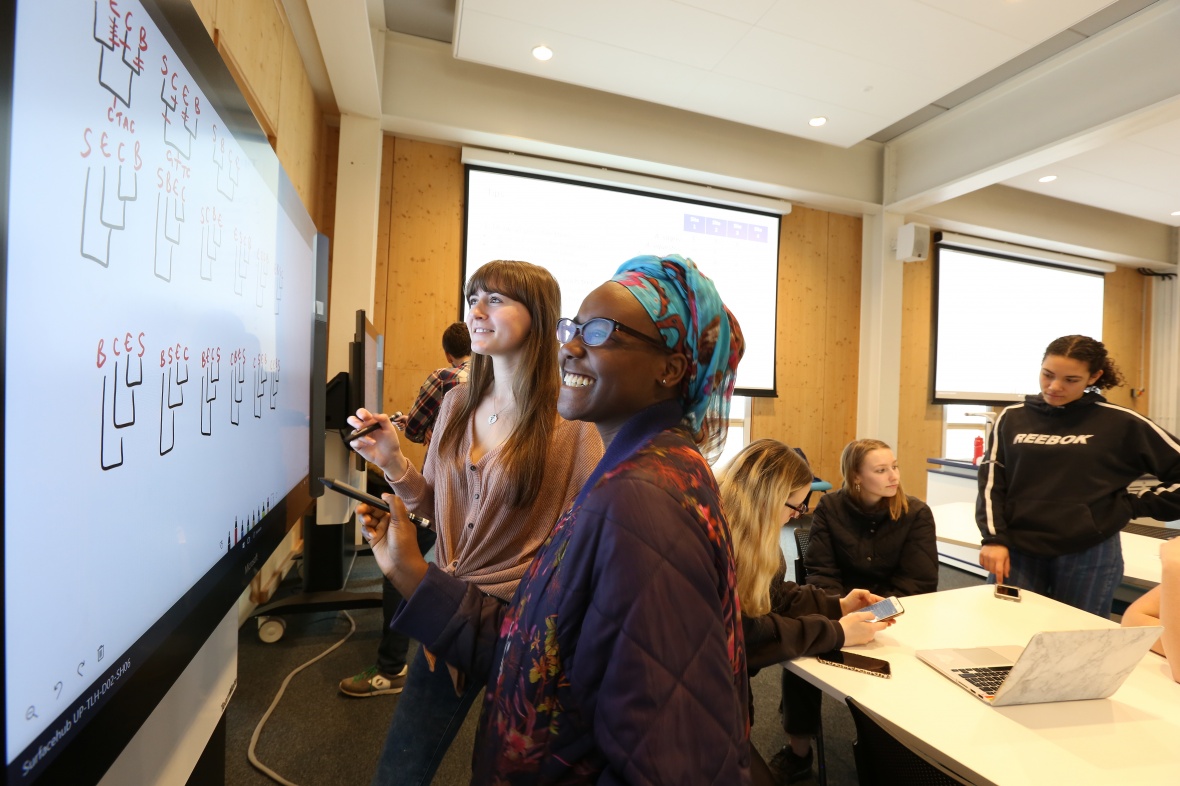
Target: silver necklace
[{"x": 492, "y": 418}]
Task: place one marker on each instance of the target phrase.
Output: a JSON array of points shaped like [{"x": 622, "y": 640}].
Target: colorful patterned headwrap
[{"x": 685, "y": 307}]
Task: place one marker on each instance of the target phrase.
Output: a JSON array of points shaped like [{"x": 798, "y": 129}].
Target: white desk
[
  {"x": 958, "y": 546},
  {"x": 1131, "y": 738}
]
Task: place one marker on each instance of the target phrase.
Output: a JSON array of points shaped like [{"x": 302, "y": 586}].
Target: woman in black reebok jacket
[{"x": 1053, "y": 486}]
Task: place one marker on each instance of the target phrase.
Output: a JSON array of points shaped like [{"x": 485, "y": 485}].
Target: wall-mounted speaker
[{"x": 913, "y": 243}]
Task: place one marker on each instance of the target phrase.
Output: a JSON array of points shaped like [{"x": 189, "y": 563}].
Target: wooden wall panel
[
  {"x": 919, "y": 432},
  {"x": 250, "y": 36},
  {"x": 207, "y": 10},
  {"x": 842, "y": 340},
  {"x": 300, "y": 127},
  {"x": 818, "y": 339},
  {"x": 424, "y": 270},
  {"x": 384, "y": 217},
  {"x": 1125, "y": 332}
]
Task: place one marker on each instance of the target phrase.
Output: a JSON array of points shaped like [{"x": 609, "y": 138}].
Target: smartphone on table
[
  {"x": 1005, "y": 592},
  {"x": 885, "y": 609},
  {"x": 856, "y": 662},
  {"x": 369, "y": 499}
]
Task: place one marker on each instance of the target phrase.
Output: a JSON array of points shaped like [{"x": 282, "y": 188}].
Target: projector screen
[
  {"x": 158, "y": 315},
  {"x": 995, "y": 315},
  {"x": 582, "y": 233}
]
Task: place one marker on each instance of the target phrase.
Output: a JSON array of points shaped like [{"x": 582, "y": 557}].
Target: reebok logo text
[{"x": 1051, "y": 439}]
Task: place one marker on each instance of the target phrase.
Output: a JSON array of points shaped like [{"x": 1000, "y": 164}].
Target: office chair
[
  {"x": 884, "y": 760},
  {"x": 802, "y": 539},
  {"x": 817, "y": 484}
]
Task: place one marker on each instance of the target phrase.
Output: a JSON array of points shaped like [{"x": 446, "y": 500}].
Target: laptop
[{"x": 1063, "y": 665}]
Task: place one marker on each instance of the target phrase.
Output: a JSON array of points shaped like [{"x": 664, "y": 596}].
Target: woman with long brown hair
[{"x": 504, "y": 468}]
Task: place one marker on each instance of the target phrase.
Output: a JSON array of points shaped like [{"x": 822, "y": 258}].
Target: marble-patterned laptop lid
[{"x": 1072, "y": 665}]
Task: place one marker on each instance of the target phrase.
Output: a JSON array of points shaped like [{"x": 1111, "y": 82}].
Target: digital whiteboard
[{"x": 158, "y": 318}]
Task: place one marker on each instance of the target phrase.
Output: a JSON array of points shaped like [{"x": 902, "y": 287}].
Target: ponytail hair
[{"x": 1091, "y": 352}]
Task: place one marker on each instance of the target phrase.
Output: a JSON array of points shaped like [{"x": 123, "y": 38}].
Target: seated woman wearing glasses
[
  {"x": 762, "y": 490},
  {"x": 620, "y": 658},
  {"x": 867, "y": 534}
]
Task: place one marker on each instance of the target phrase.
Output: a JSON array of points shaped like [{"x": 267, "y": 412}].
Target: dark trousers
[
  {"x": 801, "y": 706},
  {"x": 428, "y": 716},
  {"x": 1086, "y": 580},
  {"x": 391, "y": 651}
]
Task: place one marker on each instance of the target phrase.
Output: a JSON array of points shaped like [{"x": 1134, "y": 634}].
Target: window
[
  {"x": 961, "y": 425},
  {"x": 739, "y": 430}
]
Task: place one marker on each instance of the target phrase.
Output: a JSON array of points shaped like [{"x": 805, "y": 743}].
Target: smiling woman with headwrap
[{"x": 620, "y": 658}]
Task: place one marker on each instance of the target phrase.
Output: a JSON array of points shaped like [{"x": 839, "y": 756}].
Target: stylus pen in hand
[
  {"x": 363, "y": 431},
  {"x": 421, "y": 521}
]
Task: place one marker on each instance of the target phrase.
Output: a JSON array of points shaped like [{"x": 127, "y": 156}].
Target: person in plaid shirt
[
  {"x": 389, "y": 675},
  {"x": 419, "y": 424}
]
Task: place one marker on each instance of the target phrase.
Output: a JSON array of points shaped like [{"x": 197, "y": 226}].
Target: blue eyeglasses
[{"x": 595, "y": 332}]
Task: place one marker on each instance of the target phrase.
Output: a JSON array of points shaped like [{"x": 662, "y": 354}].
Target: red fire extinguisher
[{"x": 978, "y": 451}]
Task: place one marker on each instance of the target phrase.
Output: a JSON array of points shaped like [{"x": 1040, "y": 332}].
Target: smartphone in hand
[{"x": 885, "y": 609}]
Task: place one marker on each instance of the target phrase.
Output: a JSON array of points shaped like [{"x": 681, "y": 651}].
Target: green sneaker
[{"x": 372, "y": 682}]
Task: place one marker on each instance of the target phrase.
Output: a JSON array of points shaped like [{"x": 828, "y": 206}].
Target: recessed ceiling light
[
  {"x": 817, "y": 121},
  {"x": 1176, "y": 212},
  {"x": 542, "y": 52},
  {"x": 1047, "y": 179}
]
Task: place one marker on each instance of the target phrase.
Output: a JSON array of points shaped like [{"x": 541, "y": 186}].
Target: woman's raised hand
[{"x": 380, "y": 447}]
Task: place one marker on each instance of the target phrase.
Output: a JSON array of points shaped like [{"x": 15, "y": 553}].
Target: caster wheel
[{"x": 271, "y": 629}]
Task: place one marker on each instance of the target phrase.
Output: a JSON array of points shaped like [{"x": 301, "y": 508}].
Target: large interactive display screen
[
  {"x": 994, "y": 316},
  {"x": 582, "y": 233},
  {"x": 158, "y": 328}
]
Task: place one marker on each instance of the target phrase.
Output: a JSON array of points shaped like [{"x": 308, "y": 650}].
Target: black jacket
[
  {"x": 801, "y": 621},
  {"x": 1054, "y": 479},
  {"x": 851, "y": 549}
]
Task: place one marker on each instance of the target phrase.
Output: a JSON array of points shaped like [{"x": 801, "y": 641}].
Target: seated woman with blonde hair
[
  {"x": 866, "y": 534},
  {"x": 762, "y": 489}
]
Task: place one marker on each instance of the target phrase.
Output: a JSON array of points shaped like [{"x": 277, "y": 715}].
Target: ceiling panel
[
  {"x": 1152, "y": 168},
  {"x": 768, "y": 107},
  {"x": 1032, "y": 21},
  {"x": 508, "y": 44},
  {"x": 875, "y": 68},
  {"x": 882, "y": 59},
  {"x": 792, "y": 65},
  {"x": 1164, "y": 137},
  {"x": 903, "y": 34},
  {"x": 663, "y": 28},
  {"x": 748, "y": 11},
  {"x": 1130, "y": 190}
]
